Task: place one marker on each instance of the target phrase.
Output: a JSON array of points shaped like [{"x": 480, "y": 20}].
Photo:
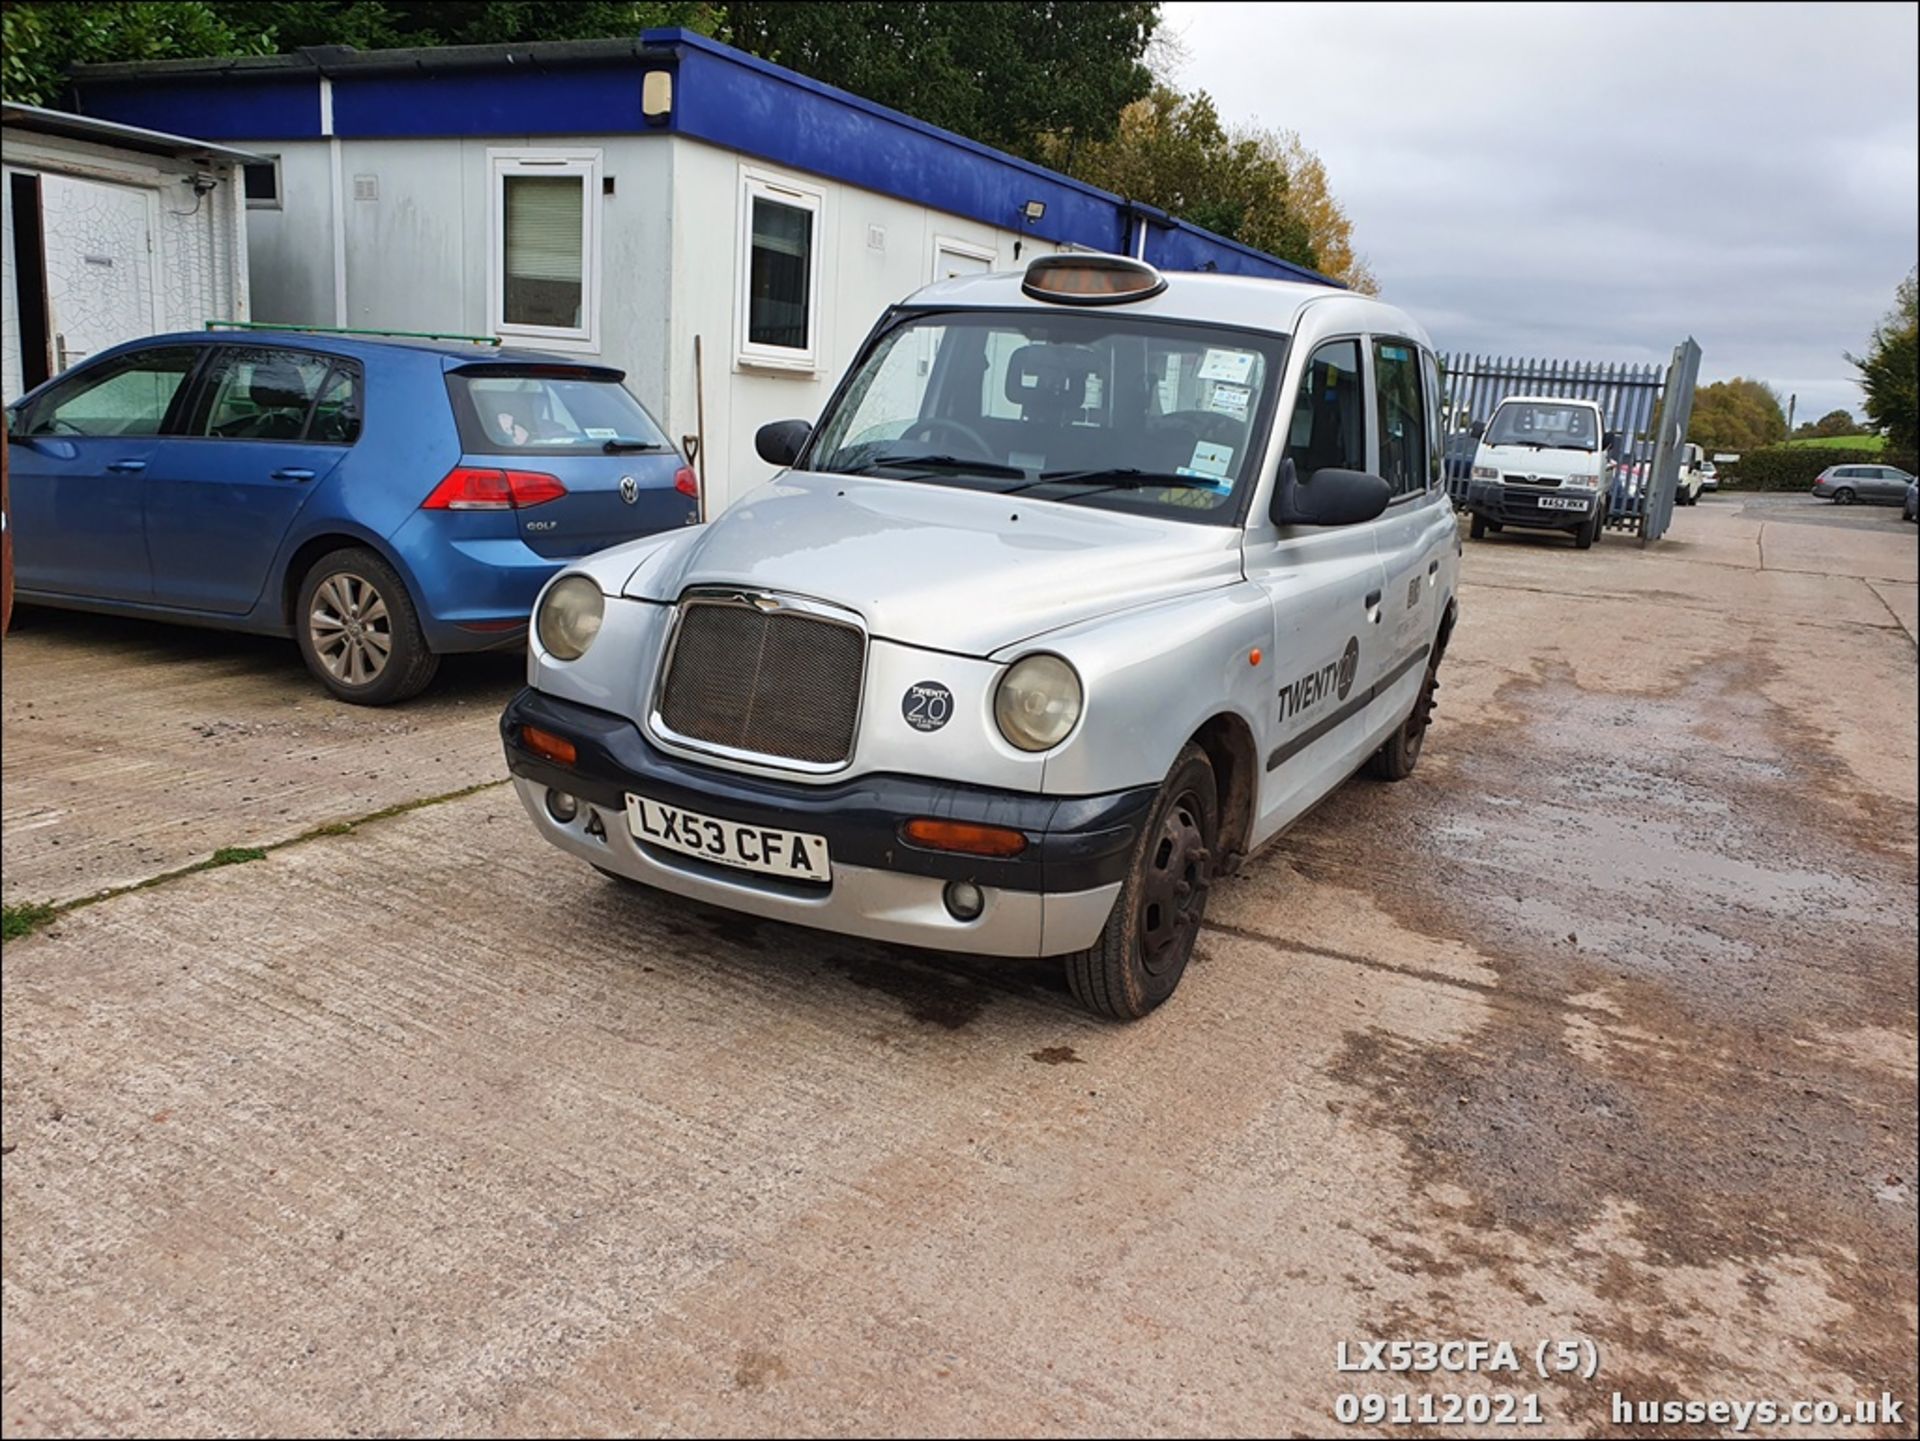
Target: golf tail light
[
  {"x": 965, "y": 837},
  {"x": 548, "y": 746},
  {"x": 474, "y": 487}
]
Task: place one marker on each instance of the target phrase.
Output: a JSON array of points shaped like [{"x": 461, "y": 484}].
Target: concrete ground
[{"x": 1603, "y": 1026}]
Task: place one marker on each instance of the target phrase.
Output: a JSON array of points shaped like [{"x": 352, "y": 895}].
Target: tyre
[
  {"x": 1843, "y": 496},
  {"x": 1477, "y": 527},
  {"x": 1143, "y": 951},
  {"x": 1589, "y": 532},
  {"x": 358, "y": 630},
  {"x": 1395, "y": 760}
]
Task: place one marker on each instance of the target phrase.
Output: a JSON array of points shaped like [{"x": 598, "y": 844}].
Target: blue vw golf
[{"x": 383, "y": 502}]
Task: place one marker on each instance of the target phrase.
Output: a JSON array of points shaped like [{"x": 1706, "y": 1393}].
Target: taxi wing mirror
[
  {"x": 780, "y": 442},
  {"x": 1330, "y": 497}
]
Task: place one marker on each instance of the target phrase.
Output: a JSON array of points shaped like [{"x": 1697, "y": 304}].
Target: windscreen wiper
[
  {"x": 620, "y": 443},
  {"x": 940, "y": 462},
  {"x": 1122, "y": 477}
]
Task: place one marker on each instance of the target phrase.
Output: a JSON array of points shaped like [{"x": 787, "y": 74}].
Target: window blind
[{"x": 544, "y": 227}]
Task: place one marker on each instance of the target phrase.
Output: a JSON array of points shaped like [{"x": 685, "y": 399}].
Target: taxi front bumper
[{"x": 1053, "y": 898}]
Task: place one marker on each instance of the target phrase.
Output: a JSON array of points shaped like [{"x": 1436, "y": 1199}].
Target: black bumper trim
[{"x": 1074, "y": 843}]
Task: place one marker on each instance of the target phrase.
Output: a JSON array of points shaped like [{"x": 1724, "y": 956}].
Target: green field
[{"x": 1872, "y": 443}]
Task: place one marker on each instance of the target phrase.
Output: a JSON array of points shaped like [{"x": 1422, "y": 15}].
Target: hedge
[{"x": 1793, "y": 467}]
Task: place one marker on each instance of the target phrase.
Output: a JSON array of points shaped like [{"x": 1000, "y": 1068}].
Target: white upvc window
[
  {"x": 779, "y": 262},
  {"x": 543, "y": 271}
]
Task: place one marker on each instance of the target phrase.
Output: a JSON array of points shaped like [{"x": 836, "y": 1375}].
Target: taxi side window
[
  {"x": 1403, "y": 416},
  {"x": 1329, "y": 426},
  {"x": 1436, "y": 431}
]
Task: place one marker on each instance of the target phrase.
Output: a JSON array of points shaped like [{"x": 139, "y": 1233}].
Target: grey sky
[{"x": 1601, "y": 180}]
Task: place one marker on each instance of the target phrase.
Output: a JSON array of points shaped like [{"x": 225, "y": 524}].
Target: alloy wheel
[{"x": 352, "y": 632}]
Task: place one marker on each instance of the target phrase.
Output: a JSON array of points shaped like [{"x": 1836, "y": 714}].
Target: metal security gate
[{"x": 1633, "y": 398}]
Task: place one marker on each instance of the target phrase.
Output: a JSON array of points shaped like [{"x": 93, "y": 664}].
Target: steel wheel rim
[
  {"x": 350, "y": 628},
  {"x": 1173, "y": 894}
]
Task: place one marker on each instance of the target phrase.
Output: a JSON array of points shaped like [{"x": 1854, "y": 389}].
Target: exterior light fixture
[
  {"x": 656, "y": 96},
  {"x": 1033, "y": 210}
]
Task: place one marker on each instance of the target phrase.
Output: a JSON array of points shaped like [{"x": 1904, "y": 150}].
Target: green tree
[
  {"x": 44, "y": 37},
  {"x": 1003, "y": 74},
  {"x": 1834, "y": 422},
  {"x": 1737, "y": 415},
  {"x": 1172, "y": 151},
  {"x": 381, "y": 24},
  {"x": 41, "y": 38},
  {"x": 1887, "y": 373}
]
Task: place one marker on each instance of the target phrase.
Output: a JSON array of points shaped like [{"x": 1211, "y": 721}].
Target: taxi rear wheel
[
  {"x": 1148, "y": 940},
  {"x": 1395, "y": 760}
]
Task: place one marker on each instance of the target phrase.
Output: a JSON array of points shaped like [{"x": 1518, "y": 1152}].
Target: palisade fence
[{"x": 1629, "y": 396}]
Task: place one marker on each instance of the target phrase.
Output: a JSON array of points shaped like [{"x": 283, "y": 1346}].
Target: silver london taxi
[{"x": 1089, "y": 581}]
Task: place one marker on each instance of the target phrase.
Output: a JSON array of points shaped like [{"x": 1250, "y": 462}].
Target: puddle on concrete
[{"x": 1738, "y": 907}]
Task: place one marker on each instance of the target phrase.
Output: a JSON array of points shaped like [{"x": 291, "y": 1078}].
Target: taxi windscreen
[{"x": 1090, "y": 408}]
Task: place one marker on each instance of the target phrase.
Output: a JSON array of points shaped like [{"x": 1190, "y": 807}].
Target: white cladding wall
[
  {"x": 874, "y": 250},
  {"x": 417, "y": 216},
  {"x": 196, "y": 254}
]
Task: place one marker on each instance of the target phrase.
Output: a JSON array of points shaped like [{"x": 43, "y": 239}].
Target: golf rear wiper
[
  {"x": 940, "y": 462},
  {"x": 620, "y": 443},
  {"x": 1121, "y": 477}
]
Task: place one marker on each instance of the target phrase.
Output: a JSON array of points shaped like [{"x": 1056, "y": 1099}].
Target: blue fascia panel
[
  {"x": 576, "y": 100},
  {"x": 734, "y": 102},
  {"x": 279, "y": 108}
]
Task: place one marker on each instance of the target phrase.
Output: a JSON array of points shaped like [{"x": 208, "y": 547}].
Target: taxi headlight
[
  {"x": 570, "y": 615},
  {"x": 1485, "y": 472},
  {"x": 1038, "y": 702}
]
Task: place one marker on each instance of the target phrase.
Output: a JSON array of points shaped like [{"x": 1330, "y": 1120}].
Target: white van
[{"x": 1542, "y": 464}]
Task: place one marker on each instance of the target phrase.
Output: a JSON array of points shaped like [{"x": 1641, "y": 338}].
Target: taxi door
[
  {"x": 1417, "y": 529},
  {"x": 1326, "y": 586}
]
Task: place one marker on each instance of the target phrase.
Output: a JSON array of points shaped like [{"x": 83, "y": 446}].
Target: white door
[
  {"x": 953, "y": 258},
  {"x": 99, "y": 259}
]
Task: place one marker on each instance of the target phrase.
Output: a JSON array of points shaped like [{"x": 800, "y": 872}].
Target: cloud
[{"x": 1602, "y": 181}]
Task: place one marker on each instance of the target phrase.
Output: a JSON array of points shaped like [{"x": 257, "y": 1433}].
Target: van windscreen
[{"x": 1546, "y": 427}]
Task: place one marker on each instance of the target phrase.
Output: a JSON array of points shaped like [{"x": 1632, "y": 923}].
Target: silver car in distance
[{"x": 1089, "y": 581}]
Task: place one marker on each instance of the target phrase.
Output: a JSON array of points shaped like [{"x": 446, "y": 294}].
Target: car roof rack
[{"x": 492, "y": 340}]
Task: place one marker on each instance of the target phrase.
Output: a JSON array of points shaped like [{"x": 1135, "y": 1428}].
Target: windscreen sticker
[
  {"x": 1210, "y": 458},
  {"x": 1230, "y": 400},
  {"x": 1233, "y": 366},
  {"x": 596, "y": 432}
]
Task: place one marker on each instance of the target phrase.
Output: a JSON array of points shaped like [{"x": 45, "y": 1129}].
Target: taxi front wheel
[{"x": 1148, "y": 939}]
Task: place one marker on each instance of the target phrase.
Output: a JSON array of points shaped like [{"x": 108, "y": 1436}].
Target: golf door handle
[
  {"x": 127, "y": 467},
  {"x": 293, "y": 472}
]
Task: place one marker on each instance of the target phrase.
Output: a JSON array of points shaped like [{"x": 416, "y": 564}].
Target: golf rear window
[{"x": 506, "y": 412}]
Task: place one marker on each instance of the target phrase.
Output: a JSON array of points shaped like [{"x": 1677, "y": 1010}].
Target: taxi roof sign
[{"x": 1083, "y": 279}]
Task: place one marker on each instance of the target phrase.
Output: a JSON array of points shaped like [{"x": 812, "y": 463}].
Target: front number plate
[
  {"x": 1562, "y": 502},
  {"x": 792, "y": 854}
]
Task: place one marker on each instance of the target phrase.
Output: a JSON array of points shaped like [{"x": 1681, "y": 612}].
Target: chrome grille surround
[{"x": 762, "y": 678}]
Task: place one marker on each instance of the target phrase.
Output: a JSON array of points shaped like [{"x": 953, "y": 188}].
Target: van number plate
[
  {"x": 1562, "y": 502},
  {"x": 793, "y": 854}
]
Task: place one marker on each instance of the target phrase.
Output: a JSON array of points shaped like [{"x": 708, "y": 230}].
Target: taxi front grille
[{"x": 782, "y": 683}]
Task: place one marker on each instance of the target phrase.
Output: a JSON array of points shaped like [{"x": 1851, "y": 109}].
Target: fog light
[
  {"x": 964, "y": 900},
  {"x": 561, "y": 806}
]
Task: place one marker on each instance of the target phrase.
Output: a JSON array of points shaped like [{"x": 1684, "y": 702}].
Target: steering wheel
[{"x": 935, "y": 423}]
